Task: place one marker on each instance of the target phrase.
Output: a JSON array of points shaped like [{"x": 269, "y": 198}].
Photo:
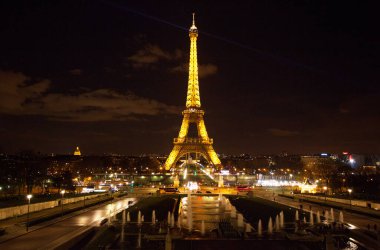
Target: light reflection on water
[
  {"x": 203, "y": 208},
  {"x": 351, "y": 246}
]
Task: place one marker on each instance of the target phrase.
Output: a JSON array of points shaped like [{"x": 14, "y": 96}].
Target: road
[{"x": 63, "y": 230}]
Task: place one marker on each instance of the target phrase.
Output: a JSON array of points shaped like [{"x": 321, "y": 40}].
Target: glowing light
[
  {"x": 351, "y": 160},
  {"x": 209, "y": 175},
  {"x": 225, "y": 172},
  {"x": 77, "y": 152},
  {"x": 192, "y": 185},
  {"x": 185, "y": 174},
  {"x": 87, "y": 190},
  {"x": 305, "y": 188},
  {"x": 276, "y": 183}
]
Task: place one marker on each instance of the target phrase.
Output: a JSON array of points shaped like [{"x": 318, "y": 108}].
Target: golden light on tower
[
  {"x": 193, "y": 99},
  {"x": 77, "y": 151},
  {"x": 193, "y": 114}
]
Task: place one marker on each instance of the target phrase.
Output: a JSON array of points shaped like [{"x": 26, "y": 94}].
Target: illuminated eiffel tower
[{"x": 193, "y": 114}]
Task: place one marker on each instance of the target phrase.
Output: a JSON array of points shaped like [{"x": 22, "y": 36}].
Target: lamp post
[
  {"x": 62, "y": 193},
  {"x": 29, "y": 196},
  {"x": 325, "y": 189},
  {"x": 349, "y": 192}
]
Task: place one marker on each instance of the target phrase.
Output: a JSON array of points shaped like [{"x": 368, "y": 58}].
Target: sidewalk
[{"x": 15, "y": 227}]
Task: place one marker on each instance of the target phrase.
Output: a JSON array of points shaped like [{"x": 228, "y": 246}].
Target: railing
[
  {"x": 193, "y": 140},
  {"x": 193, "y": 111}
]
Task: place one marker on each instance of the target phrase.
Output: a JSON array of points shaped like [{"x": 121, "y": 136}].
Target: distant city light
[
  {"x": 192, "y": 185},
  {"x": 185, "y": 174},
  {"x": 351, "y": 160},
  {"x": 224, "y": 172},
  {"x": 276, "y": 183}
]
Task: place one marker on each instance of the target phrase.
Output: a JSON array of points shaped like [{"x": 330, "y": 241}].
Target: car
[
  {"x": 199, "y": 192},
  {"x": 208, "y": 192}
]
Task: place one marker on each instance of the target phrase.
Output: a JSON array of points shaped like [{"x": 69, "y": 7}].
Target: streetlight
[
  {"x": 349, "y": 192},
  {"x": 62, "y": 193},
  {"x": 325, "y": 189},
  {"x": 29, "y": 196}
]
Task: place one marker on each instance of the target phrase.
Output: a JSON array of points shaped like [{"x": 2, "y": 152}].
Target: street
[{"x": 62, "y": 230}]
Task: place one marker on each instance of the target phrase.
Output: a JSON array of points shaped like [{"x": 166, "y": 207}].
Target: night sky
[{"x": 110, "y": 76}]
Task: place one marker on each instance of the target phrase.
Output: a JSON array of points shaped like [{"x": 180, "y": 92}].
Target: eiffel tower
[{"x": 193, "y": 114}]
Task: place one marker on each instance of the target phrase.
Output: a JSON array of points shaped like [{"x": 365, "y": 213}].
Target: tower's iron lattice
[{"x": 193, "y": 114}]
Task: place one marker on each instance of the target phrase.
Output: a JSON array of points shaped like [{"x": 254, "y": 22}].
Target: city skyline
[{"x": 112, "y": 77}]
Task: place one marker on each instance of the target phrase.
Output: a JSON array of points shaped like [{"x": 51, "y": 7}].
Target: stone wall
[
  {"x": 34, "y": 207},
  {"x": 358, "y": 203}
]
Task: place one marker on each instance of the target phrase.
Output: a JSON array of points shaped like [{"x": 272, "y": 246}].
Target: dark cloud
[
  {"x": 15, "y": 93},
  {"x": 76, "y": 72},
  {"x": 207, "y": 70},
  {"x": 282, "y": 132},
  {"x": 361, "y": 105},
  {"x": 151, "y": 54},
  {"x": 19, "y": 98},
  {"x": 204, "y": 70}
]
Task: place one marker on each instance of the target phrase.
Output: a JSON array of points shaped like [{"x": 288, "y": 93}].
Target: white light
[
  {"x": 87, "y": 190},
  {"x": 225, "y": 172},
  {"x": 185, "y": 174},
  {"x": 192, "y": 185},
  {"x": 207, "y": 174},
  {"x": 29, "y": 196}
]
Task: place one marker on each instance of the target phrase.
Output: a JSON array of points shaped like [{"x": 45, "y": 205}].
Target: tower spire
[{"x": 193, "y": 98}]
